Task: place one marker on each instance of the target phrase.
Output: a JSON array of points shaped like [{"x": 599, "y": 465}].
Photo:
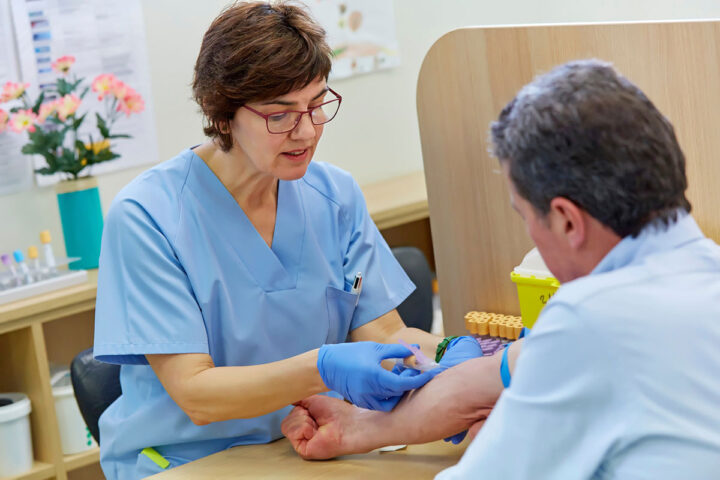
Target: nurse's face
[{"x": 281, "y": 155}]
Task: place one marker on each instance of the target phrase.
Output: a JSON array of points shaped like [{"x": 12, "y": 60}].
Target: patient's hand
[
  {"x": 457, "y": 399},
  {"x": 321, "y": 427}
]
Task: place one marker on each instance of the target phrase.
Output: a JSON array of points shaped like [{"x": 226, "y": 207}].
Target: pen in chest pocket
[{"x": 357, "y": 286}]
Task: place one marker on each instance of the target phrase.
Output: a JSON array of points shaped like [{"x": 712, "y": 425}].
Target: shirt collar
[{"x": 654, "y": 238}]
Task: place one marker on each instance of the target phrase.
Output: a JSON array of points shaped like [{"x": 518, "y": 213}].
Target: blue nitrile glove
[
  {"x": 457, "y": 351},
  {"x": 354, "y": 371},
  {"x": 460, "y": 349}
]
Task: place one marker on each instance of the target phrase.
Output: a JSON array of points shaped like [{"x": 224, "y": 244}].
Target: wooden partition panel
[{"x": 470, "y": 74}]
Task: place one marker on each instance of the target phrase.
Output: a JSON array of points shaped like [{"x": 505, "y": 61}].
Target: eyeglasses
[{"x": 286, "y": 121}]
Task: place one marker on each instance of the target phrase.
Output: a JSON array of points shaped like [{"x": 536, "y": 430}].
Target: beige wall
[{"x": 376, "y": 134}]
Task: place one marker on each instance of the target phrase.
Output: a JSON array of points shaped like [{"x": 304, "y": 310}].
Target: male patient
[{"x": 619, "y": 378}]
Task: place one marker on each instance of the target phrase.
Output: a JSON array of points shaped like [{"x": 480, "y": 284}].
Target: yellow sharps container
[{"x": 535, "y": 286}]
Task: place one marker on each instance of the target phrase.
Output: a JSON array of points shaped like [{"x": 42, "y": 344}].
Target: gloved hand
[
  {"x": 460, "y": 349},
  {"x": 354, "y": 371},
  {"x": 457, "y": 351}
]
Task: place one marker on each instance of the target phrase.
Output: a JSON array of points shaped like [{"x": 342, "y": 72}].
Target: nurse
[{"x": 231, "y": 275}]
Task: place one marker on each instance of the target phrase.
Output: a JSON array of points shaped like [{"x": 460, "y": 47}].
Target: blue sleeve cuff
[{"x": 504, "y": 369}]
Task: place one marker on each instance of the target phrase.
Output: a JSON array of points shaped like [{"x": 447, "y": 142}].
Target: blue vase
[{"x": 82, "y": 221}]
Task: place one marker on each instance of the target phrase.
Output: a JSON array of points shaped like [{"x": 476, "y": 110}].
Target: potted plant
[{"x": 54, "y": 128}]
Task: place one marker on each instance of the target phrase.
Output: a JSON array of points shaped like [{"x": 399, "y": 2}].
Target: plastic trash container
[
  {"x": 75, "y": 437},
  {"x": 16, "y": 454}
]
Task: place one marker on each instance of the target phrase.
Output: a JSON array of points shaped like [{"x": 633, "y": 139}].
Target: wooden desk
[
  {"x": 279, "y": 460},
  {"x": 397, "y": 201}
]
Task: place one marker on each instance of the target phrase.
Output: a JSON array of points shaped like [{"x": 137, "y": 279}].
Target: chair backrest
[
  {"x": 417, "y": 310},
  {"x": 96, "y": 386}
]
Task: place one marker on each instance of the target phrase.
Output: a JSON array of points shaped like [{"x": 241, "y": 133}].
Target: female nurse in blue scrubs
[{"x": 226, "y": 273}]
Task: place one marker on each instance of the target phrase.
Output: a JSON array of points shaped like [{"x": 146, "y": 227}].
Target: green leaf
[
  {"x": 119, "y": 135},
  {"x": 102, "y": 126},
  {"x": 63, "y": 87},
  {"x": 67, "y": 160},
  {"x": 84, "y": 92},
  {"x": 40, "y": 100},
  {"x": 78, "y": 122},
  {"x": 104, "y": 155}
]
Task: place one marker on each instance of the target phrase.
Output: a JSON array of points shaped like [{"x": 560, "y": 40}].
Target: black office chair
[
  {"x": 417, "y": 310},
  {"x": 96, "y": 386}
]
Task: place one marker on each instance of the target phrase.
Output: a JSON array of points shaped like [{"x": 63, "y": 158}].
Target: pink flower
[
  {"x": 120, "y": 90},
  {"x": 23, "y": 120},
  {"x": 66, "y": 106},
  {"x": 132, "y": 103},
  {"x": 63, "y": 64},
  {"x": 3, "y": 120},
  {"x": 46, "y": 109},
  {"x": 103, "y": 84},
  {"x": 12, "y": 90}
]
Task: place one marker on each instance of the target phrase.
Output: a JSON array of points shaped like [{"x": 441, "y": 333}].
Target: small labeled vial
[
  {"x": 24, "y": 270},
  {"x": 48, "y": 256},
  {"x": 7, "y": 261},
  {"x": 34, "y": 262}
]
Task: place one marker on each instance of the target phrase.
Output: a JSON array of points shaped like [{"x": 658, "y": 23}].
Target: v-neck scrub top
[{"x": 183, "y": 270}]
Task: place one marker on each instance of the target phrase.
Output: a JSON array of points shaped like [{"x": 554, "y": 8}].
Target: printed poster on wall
[
  {"x": 361, "y": 34},
  {"x": 104, "y": 36},
  {"x": 15, "y": 168}
]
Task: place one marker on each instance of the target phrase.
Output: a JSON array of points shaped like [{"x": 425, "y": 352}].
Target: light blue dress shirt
[
  {"x": 620, "y": 377},
  {"x": 183, "y": 270}
]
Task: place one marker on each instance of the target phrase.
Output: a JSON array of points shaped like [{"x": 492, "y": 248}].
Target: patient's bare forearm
[{"x": 449, "y": 404}]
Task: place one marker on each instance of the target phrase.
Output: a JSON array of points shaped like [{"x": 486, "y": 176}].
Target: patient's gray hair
[{"x": 586, "y": 133}]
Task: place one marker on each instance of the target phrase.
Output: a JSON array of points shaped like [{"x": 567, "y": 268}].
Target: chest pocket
[{"x": 340, "y": 307}]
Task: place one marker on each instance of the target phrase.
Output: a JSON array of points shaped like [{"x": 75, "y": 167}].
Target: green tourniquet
[
  {"x": 440, "y": 351},
  {"x": 153, "y": 455}
]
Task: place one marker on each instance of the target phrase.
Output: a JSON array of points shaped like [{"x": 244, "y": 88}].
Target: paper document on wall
[
  {"x": 104, "y": 36},
  {"x": 15, "y": 168},
  {"x": 361, "y": 34}
]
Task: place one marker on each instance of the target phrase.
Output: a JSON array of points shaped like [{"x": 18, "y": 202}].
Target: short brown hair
[{"x": 256, "y": 51}]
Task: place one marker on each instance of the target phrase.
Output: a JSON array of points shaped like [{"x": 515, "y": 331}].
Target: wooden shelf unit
[{"x": 35, "y": 332}]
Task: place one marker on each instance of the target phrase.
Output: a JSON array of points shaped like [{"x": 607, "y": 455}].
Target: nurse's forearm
[{"x": 212, "y": 394}]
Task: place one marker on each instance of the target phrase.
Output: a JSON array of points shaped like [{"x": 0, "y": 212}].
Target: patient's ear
[{"x": 568, "y": 221}]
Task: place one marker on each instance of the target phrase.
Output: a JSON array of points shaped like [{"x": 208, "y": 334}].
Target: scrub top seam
[
  {"x": 327, "y": 197},
  {"x": 306, "y": 220},
  {"x": 180, "y": 196},
  {"x": 392, "y": 303}
]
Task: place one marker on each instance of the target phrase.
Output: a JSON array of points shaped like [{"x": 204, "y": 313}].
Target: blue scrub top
[{"x": 183, "y": 270}]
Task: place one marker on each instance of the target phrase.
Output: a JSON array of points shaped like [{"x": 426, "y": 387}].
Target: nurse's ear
[{"x": 223, "y": 126}]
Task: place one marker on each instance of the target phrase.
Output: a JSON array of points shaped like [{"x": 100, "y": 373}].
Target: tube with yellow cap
[
  {"x": 48, "y": 253},
  {"x": 34, "y": 262}
]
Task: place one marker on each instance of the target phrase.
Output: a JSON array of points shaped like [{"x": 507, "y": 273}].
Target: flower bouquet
[{"x": 63, "y": 136}]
